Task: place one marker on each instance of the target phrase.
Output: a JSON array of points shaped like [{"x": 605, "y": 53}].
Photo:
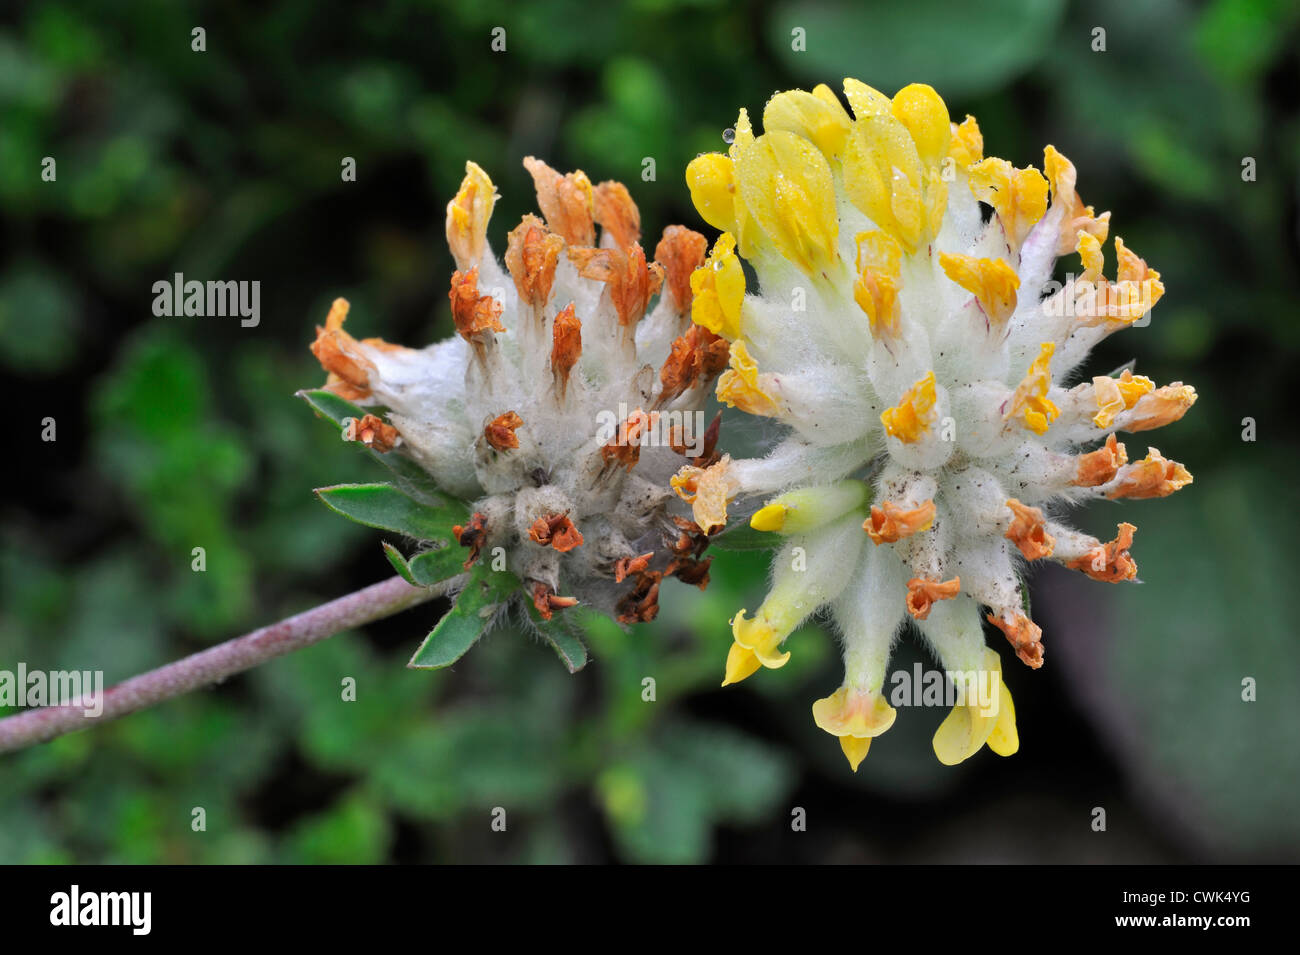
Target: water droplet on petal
[{"x": 728, "y": 135}]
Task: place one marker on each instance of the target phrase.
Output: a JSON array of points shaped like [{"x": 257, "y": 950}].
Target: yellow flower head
[{"x": 923, "y": 354}]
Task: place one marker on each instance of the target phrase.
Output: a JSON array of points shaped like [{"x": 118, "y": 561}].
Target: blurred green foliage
[{"x": 181, "y": 433}]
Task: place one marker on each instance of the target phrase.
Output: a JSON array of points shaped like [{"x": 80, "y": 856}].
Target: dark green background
[{"x": 175, "y": 433}]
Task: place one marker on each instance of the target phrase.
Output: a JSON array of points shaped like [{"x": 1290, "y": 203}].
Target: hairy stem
[{"x": 216, "y": 663}]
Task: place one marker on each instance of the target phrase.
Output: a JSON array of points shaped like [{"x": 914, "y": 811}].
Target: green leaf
[
  {"x": 429, "y": 567},
  {"x": 461, "y": 628},
  {"x": 437, "y": 565},
  {"x": 399, "y": 563},
  {"x": 744, "y": 537},
  {"x": 388, "y": 508},
  {"x": 559, "y": 633}
]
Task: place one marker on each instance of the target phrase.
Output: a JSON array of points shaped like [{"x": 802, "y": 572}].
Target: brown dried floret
[
  {"x": 1026, "y": 636},
  {"x": 567, "y": 202},
  {"x": 476, "y": 316},
  {"x": 546, "y": 601},
  {"x": 616, "y": 213},
  {"x": 531, "y": 256},
  {"x": 566, "y": 348},
  {"x": 1098, "y": 467},
  {"x": 373, "y": 432},
  {"x": 626, "y": 567},
  {"x": 890, "y": 522},
  {"x": 500, "y": 431},
  {"x": 629, "y": 281},
  {"x": 923, "y": 592},
  {"x": 1028, "y": 531},
  {"x": 557, "y": 531},
  {"x": 681, "y": 251},
  {"x": 641, "y": 603},
  {"x": 1109, "y": 563},
  {"x": 625, "y": 447},
  {"x": 472, "y": 535}
]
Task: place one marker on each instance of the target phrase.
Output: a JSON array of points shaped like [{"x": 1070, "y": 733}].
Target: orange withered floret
[
  {"x": 531, "y": 256},
  {"x": 1163, "y": 406},
  {"x": 889, "y": 522},
  {"x": 373, "y": 432},
  {"x": 1026, "y": 636},
  {"x": 1099, "y": 467},
  {"x": 500, "y": 431},
  {"x": 641, "y": 603},
  {"x": 681, "y": 251},
  {"x": 616, "y": 213},
  {"x": 690, "y": 571},
  {"x": 557, "y": 531},
  {"x": 472, "y": 535},
  {"x": 1062, "y": 179},
  {"x": 625, "y": 446},
  {"x": 1109, "y": 563},
  {"x": 695, "y": 358},
  {"x": 566, "y": 347},
  {"x": 708, "y": 446},
  {"x": 625, "y": 567},
  {"x": 629, "y": 280},
  {"x": 1028, "y": 532},
  {"x": 922, "y": 593},
  {"x": 349, "y": 374},
  {"x": 476, "y": 316},
  {"x": 567, "y": 202},
  {"x": 546, "y": 601},
  {"x": 1153, "y": 476}
]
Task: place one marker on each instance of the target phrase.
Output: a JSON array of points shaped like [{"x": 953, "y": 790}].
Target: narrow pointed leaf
[
  {"x": 399, "y": 564},
  {"x": 388, "y": 508},
  {"x": 567, "y": 646},
  {"x": 433, "y": 566},
  {"x": 459, "y": 630}
]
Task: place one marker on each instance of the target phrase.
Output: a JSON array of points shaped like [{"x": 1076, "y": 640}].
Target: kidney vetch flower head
[
  {"x": 898, "y": 332},
  {"x": 529, "y": 437}
]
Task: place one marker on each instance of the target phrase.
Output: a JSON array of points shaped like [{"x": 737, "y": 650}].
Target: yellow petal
[
  {"x": 961, "y": 734},
  {"x": 912, "y": 416},
  {"x": 883, "y": 176},
  {"x": 855, "y": 749},
  {"x": 1004, "y": 740},
  {"x": 762, "y": 637},
  {"x": 741, "y": 386},
  {"x": 818, "y": 119},
  {"x": 969, "y": 726},
  {"x": 769, "y": 518},
  {"x": 718, "y": 290},
  {"x": 1030, "y": 403},
  {"x": 741, "y": 663},
  {"x": 468, "y": 215},
  {"x": 924, "y": 113},
  {"x": 1019, "y": 196},
  {"x": 852, "y": 712},
  {"x": 879, "y": 281},
  {"x": 991, "y": 281},
  {"x": 808, "y": 508},
  {"x": 865, "y": 100},
  {"x": 785, "y": 183},
  {"x": 711, "y": 180},
  {"x": 967, "y": 143}
]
